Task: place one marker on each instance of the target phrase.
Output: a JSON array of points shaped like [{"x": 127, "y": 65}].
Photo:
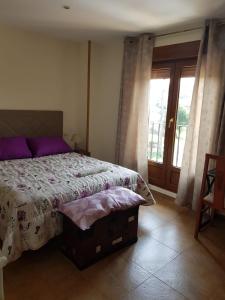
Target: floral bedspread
[{"x": 31, "y": 190}]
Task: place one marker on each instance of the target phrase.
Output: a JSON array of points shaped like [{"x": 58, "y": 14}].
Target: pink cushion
[
  {"x": 14, "y": 148},
  {"x": 84, "y": 212},
  {"x": 42, "y": 146}
]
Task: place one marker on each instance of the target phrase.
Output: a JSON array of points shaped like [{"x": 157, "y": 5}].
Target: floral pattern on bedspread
[{"x": 31, "y": 191}]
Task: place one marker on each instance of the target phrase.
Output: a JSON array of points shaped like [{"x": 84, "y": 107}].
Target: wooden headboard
[{"x": 31, "y": 123}]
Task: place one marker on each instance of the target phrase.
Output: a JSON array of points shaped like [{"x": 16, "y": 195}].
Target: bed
[{"x": 31, "y": 190}]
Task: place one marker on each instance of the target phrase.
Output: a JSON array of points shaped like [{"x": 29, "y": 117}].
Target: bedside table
[{"x": 82, "y": 152}]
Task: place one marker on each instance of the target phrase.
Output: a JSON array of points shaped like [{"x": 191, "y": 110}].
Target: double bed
[{"x": 31, "y": 190}]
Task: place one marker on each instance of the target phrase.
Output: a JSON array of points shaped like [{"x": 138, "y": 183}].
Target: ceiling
[{"x": 105, "y": 18}]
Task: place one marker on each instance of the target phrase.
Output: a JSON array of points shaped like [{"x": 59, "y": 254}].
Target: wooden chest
[{"x": 84, "y": 247}]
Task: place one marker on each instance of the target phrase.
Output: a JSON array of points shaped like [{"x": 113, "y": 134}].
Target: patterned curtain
[
  {"x": 132, "y": 135},
  {"x": 206, "y": 123}
]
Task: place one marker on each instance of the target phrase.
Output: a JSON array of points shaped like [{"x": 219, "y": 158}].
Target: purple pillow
[
  {"x": 42, "y": 146},
  {"x": 14, "y": 148}
]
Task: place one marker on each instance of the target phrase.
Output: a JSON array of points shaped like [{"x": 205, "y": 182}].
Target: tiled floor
[{"x": 166, "y": 263}]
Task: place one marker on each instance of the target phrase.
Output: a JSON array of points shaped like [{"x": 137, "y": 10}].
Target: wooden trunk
[{"x": 84, "y": 247}]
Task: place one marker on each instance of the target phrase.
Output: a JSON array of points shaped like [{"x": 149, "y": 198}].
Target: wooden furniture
[
  {"x": 212, "y": 195},
  {"x": 113, "y": 232},
  {"x": 31, "y": 123}
]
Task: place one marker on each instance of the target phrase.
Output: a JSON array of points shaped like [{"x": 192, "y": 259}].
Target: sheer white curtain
[
  {"x": 3, "y": 261},
  {"x": 132, "y": 135},
  {"x": 207, "y": 102}
]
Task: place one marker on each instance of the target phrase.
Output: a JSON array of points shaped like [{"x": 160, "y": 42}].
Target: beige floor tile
[
  {"x": 148, "y": 222},
  {"x": 166, "y": 208},
  {"x": 125, "y": 275},
  {"x": 195, "y": 274},
  {"x": 166, "y": 248},
  {"x": 33, "y": 274},
  {"x": 174, "y": 236},
  {"x": 105, "y": 281},
  {"x": 165, "y": 212},
  {"x": 72, "y": 288},
  {"x": 150, "y": 254},
  {"x": 154, "y": 289},
  {"x": 185, "y": 220}
]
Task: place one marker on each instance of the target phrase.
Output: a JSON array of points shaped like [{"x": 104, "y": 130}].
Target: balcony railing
[{"x": 156, "y": 142}]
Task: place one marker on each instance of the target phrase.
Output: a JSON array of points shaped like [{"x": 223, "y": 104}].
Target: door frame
[{"x": 167, "y": 175}]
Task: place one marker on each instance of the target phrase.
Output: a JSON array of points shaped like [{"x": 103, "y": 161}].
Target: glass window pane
[
  {"x": 159, "y": 91},
  {"x": 185, "y": 95}
]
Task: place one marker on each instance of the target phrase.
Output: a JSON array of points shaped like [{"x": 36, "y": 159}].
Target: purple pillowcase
[
  {"x": 14, "y": 148},
  {"x": 42, "y": 146}
]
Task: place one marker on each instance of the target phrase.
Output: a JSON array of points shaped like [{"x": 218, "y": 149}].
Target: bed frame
[{"x": 31, "y": 123}]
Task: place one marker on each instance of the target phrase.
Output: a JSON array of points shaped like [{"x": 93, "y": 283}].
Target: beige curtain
[
  {"x": 205, "y": 114},
  {"x": 221, "y": 126},
  {"x": 132, "y": 135}
]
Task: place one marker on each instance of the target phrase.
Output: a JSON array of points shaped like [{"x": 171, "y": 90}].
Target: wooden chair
[{"x": 212, "y": 195}]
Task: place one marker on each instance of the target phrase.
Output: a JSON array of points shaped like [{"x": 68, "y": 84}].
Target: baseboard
[{"x": 162, "y": 191}]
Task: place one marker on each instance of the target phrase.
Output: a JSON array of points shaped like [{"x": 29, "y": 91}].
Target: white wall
[
  {"x": 105, "y": 90},
  {"x": 39, "y": 72}
]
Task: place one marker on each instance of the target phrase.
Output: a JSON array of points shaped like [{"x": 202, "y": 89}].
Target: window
[
  {"x": 187, "y": 81},
  {"x": 159, "y": 91}
]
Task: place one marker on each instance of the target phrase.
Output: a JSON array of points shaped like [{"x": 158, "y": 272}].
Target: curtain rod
[
  {"x": 174, "y": 32},
  {"x": 220, "y": 22}
]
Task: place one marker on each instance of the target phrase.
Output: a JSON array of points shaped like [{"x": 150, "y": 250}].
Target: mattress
[{"x": 31, "y": 191}]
